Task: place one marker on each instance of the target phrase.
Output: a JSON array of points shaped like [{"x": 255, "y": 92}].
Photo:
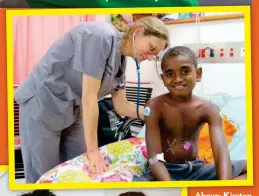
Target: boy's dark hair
[
  {"x": 132, "y": 193},
  {"x": 39, "y": 193},
  {"x": 177, "y": 51}
]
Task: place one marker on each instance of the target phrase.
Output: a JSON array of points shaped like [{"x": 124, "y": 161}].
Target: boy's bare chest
[{"x": 189, "y": 117}]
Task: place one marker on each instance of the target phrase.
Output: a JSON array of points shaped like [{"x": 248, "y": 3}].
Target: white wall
[{"x": 233, "y": 75}]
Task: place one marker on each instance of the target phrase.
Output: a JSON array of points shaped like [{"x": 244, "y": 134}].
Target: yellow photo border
[
  {"x": 158, "y": 184},
  {"x": 3, "y": 168},
  {"x": 184, "y": 191}
]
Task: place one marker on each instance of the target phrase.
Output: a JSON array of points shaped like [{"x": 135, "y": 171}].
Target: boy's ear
[{"x": 199, "y": 74}]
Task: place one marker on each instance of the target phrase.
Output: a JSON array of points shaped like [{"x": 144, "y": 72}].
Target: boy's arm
[
  {"x": 153, "y": 142},
  {"x": 219, "y": 144}
]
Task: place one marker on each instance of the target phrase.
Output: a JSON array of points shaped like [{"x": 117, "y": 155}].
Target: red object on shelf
[
  {"x": 203, "y": 53},
  {"x": 231, "y": 52},
  {"x": 199, "y": 53},
  {"x": 221, "y": 52}
]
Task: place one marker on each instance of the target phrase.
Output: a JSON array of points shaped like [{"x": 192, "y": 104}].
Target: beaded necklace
[{"x": 185, "y": 143}]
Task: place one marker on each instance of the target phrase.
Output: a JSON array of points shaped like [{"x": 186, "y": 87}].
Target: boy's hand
[{"x": 96, "y": 160}]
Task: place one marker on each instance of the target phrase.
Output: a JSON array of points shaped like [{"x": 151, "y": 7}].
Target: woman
[{"x": 59, "y": 99}]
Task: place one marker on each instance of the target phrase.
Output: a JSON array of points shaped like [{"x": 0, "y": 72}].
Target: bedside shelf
[{"x": 205, "y": 19}]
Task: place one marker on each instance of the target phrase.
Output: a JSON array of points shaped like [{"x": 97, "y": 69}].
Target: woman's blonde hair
[{"x": 152, "y": 27}]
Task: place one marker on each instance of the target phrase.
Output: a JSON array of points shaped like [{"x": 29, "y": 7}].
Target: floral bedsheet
[{"x": 127, "y": 160}]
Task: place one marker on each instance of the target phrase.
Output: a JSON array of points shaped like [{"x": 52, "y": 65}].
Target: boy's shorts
[{"x": 195, "y": 170}]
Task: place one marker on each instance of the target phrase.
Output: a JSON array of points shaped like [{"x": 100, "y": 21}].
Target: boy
[{"x": 173, "y": 124}]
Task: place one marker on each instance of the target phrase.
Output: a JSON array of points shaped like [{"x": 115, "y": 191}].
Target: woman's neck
[{"x": 126, "y": 47}]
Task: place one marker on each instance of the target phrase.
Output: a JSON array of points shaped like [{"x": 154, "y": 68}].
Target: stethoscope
[{"x": 138, "y": 73}]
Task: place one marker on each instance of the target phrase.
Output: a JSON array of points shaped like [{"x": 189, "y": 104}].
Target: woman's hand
[{"x": 96, "y": 160}]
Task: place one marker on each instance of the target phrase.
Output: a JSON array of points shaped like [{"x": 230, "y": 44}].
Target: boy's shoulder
[
  {"x": 206, "y": 102},
  {"x": 156, "y": 103},
  {"x": 209, "y": 107}
]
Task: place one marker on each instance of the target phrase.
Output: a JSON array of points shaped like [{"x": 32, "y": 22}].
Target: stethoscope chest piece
[{"x": 147, "y": 111}]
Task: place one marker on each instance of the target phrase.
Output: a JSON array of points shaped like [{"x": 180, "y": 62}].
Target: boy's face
[{"x": 180, "y": 75}]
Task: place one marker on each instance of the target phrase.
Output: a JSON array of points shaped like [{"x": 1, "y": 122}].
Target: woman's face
[{"x": 147, "y": 47}]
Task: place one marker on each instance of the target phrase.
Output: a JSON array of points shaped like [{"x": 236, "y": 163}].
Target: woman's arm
[
  {"x": 90, "y": 109},
  {"x": 92, "y": 49},
  {"x": 125, "y": 108}
]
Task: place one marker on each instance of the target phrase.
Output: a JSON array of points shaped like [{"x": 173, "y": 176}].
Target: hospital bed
[{"x": 128, "y": 158}]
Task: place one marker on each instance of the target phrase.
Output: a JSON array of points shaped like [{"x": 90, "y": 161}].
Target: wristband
[{"x": 157, "y": 158}]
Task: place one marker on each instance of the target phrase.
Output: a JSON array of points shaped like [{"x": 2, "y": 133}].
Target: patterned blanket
[{"x": 127, "y": 160}]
